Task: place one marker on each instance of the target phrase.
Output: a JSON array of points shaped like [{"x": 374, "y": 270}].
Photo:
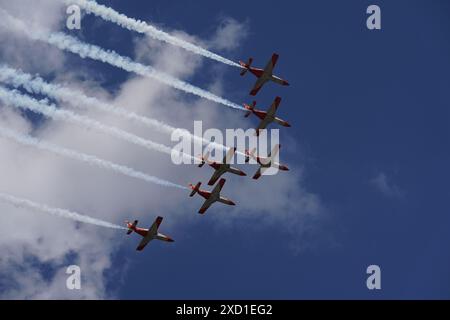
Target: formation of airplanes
[{"x": 220, "y": 168}]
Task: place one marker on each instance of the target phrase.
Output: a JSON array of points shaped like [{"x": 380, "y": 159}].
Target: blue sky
[
  {"x": 363, "y": 103},
  {"x": 370, "y": 116}
]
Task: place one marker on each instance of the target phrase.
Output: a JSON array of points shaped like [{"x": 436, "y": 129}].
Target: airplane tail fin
[
  {"x": 245, "y": 66},
  {"x": 250, "y": 108},
  {"x": 194, "y": 189},
  {"x": 131, "y": 226},
  {"x": 204, "y": 159}
]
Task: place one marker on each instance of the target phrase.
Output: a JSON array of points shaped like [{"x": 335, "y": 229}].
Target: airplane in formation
[
  {"x": 221, "y": 168},
  {"x": 266, "y": 117},
  {"x": 211, "y": 197},
  {"x": 265, "y": 162},
  {"x": 263, "y": 75},
  {"x": 147, "y": 234}
]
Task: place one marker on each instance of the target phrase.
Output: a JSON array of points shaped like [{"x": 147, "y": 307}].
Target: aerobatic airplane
[
  {"x": 210, "y": 197},
  {"x": 221, "y": 168},
  {"x": 147, "y": 234},
  {"x": 265, "y": 163},
  {"x": 262, "y": 75},
  {"x": 266, "y": 116}
]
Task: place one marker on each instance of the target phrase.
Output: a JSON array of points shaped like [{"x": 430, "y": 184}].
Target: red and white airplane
[
  {"x": 265, "y": 163},
  {"x": 263, "y": 75},
  {"x": 266, "y": 117},
  {"x": 221, "y": 168},
  {"x": 211, "y": 197},
  {"x": 147, "y": 234}
]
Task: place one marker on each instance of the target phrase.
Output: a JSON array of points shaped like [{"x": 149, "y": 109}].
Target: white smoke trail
[
  {"x": 92, "y": 160},
  {"x": 37, "y": 85},
  {"x": 84, "y": 50},
  {"x": 113, "y": 16},
  {"x": 18, "y": 100},
  {"x": 28, "y": 204}
]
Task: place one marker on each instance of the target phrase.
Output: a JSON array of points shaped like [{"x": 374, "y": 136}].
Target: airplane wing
[
  {"x": 259, "y": 173},
  {"x": 216, "y": 175},
  {"x": 274, "y": 151},
  {"x": 235, "y": 171},
  {"x": 144, "y": 242},
  {"x": 262, "y": 125},
  {"x": 210, "y": 201},
  {"x": 154, "y": 228},
  {"x": 206, "y": 205},
  {"x": 229, "y": 155},
  {"x": 267, "y": 160},
  {"x": 273, "y": 108},
  {"x": 271, "y": 64},
  {"x": 218, "y": 187},
  {"x": 152, "y": 231},
  {"x": 258, "y": 85}
]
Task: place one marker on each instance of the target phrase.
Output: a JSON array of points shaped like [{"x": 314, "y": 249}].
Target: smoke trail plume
[
  {"x": 92, "y": 160},
  {"x": 28, "y": 204},
  {"x": 37, "y": 85},
  {"x": 109, "y": 14},
  {"x": 84, "y": 50},
  {"x": 18, "y": 100}
]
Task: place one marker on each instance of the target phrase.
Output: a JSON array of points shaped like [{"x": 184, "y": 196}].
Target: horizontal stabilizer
[
  {"x": 245, "y": 66},
  {"x": 133, "y": 225},
  {"x": 195, "y": 189}
]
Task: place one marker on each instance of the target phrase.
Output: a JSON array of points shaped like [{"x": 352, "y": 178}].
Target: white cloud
[
  {"x": 18, "y": 51},
  {"x": 386, "y": 186},
  {"x": 229, "y": 34},
  {"x": 58, "y": 182}
]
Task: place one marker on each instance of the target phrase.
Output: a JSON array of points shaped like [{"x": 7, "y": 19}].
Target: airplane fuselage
[
  {"x": 204, "y": 194},
  {"x": 260, "y": 114},
  {"x": 220, "y": 166},
  {"x": 263, "y": 115},
  {"x": 141, "y": 231},
  {"x": 256, "y": 71},
  {"x": 267, "y": 163},
  {"x": 267, "y": 76},
  {"x": 213, "y": 197}
]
